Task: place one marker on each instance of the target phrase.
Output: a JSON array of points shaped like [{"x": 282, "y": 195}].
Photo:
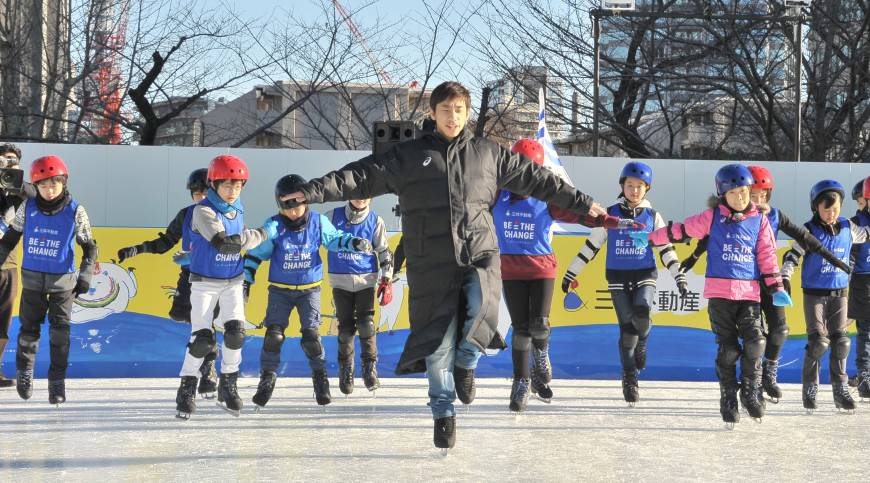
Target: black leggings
[
  {"x": 8, "y": 291},
  {"x": 355, "y": 311},
  {"x": 528, "y": 302}
]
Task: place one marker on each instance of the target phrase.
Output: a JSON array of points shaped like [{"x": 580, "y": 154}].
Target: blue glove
[
  {"x": 639, "y": 238},
  {"x": 181, "y": 258},
  {"x": 782, "y": 299},
  {"x": 270, "y": 226}
]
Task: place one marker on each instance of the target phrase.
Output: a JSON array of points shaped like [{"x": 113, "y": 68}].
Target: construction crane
[{"x": 382, "y": 74}]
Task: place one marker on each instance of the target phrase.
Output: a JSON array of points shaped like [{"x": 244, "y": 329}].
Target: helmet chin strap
[{"x": 736, "y": 215}]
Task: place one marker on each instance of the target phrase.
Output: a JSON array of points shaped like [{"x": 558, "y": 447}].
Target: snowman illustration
[{"x": 112, "y": 287}]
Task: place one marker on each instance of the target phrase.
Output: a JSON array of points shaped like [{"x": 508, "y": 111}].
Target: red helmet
[
  {"x": 47, "y": 167},
  {"x": 227, "y": 166},
  {"x": 761, "y": 177},
  {"x": 530, "y": 149},
  {"x": 867, "y": 188}
]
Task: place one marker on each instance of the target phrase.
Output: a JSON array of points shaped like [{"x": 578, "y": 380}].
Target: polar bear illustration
[{"x": 112, "y": 287}]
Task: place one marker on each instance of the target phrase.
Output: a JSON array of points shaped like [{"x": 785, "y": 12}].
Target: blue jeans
[
  {"x": 439, "y": 365},
  {"x": 633, "y": 314},
  {"x": 281, "y": 303},
  {"x": 862, "y": 345}
]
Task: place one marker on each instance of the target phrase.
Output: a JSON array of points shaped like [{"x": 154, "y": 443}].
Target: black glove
[
  {"x": 569, "y": 282},
  {"x": 786, "y": 284},
  {"x": 246, "y": 290},
  {"x": 129, "y": 252},
  {"x": 682, "y": 284},
  {"x": 82, "y": 287},
  {"x": 362, "y": 245}
]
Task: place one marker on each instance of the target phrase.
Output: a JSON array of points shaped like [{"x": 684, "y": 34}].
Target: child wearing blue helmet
[
  {"x": 631, "y": 270},
  {"x": 859, "y": 291},
  {"x": 824, "y": 286},
  {"x": 741, "y": 260}
]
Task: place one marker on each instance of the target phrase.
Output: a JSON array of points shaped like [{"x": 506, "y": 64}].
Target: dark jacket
[{"x": 446, "y": 192}]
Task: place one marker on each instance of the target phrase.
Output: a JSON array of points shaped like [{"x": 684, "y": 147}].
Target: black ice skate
[
  {"x": 842, "y": 399},
  {"x": 768, "y": 380},
  {"x": 56, "y": 392},
  {"x": 24, "y": 383},
  {"x": 809, "y": 396},
  {"x": 728, "y": 407},
  {"x": 321, "y": 387},
  {"x": 640, "y": 355},
  {"x": 445, "y": 433},
  {"x": 864, "y": 385},
  {"x": 751, "y": 399},
  {"x": 540, "y": 389},
  {"x": 519, "y": 395},
  {"x": 185, "y": 400},
  {"x": 345, "y": 377},
  {"x": 629, "y": 388},
  {"x": 4, "y": 382},
  {"x": 264, "y": 389},
  {"x": 208, "y": 381},
  {"x": 463, "y": 380},
  {"x": 370, "y": 375},
  {"x": 541, "y": 364},
  {"x": 228, "y": 394}
]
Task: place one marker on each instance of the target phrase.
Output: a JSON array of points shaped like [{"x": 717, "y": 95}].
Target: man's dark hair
[
  {"x": 9, "y": 148},
  {"x": 449, "y": 90}
]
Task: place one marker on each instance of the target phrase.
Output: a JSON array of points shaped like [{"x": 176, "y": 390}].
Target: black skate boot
[
  {"x": 445, "y": 433},
  {"x": 728, "y": 405},
  {"x": 264, "y": 389},
  {"x": 4, "y": 382},
  {"x": 640, "y": 355},
  {"x": 751, "y": 399},
  {"x": 321, "y": 387},
  {"x": 463, "y": 380},
  {"x": 345, "y": 377},
  {"x": 629, "y": 388},
  {"x": 228, "y": 394},
  {"x": 809, "y": 396},
  {"x": 208, "y": 381},
  {"x": 864, "y": 385},
  {"x": 57, "y": 392},
  {"x": 842, "y": 399},
  {"x": 541, "y": 364},
  {"x": 185, "y": 400},
  {"x": 24, "y": 383},
  {"x": 370, "y": 374},
  {"x": 768, "y": 380},
  {"x": 540, "y": 389},
  {"x": 519, "y": 395}
]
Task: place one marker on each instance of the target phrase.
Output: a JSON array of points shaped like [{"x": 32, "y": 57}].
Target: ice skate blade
[
  {"x": 729, "y": 425},
  {"x": 182, "y": 416},
  {"x": 258, "y": 409},
  {"x": 774, "y": 400},
  {"x": 845, "y": 412},
  {"x": 810, "y": 411},
  {"x": 542, "y": 399},
  {"x": 234, "y": 412},
  {"x": 631, "y": 404},
  {"x": 757, "y": 420},
  {"x": 207, "y": 395},
  {"x": 442, "y": 452}
]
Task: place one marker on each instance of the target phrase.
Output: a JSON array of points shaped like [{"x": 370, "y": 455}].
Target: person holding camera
[{"x": 11, "y": 198}]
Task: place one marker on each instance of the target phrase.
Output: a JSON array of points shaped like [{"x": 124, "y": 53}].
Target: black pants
[
  {"x": 355, "y": 310},
  {"x": 528, "y": 302},
  {"x": 731, "y": 321},
  {"x": 777, "y": 327},
  {"x": 34, "y": 306},
  {"x": 8, "y": 290}
]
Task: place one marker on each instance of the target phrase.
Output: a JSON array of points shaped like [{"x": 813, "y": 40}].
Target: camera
[
  {"x": 11, "y": 180},
  {"x": 388, "y": 133}
]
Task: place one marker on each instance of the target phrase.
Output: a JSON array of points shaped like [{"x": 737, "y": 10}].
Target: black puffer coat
[{"x": 446, "y": 190}]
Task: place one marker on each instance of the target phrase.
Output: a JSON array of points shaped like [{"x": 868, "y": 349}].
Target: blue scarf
[{"x": 222, "y": 205}]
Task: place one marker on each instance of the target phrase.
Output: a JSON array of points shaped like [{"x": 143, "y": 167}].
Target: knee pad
[
  {"x": 641, "y": 319},
  {"x": 778, "y": 335},
  {"x": 817, "y": 345},
  {"x": 274, "y": 338},
  {"x": 58, "y": 335},
  {"x": 628, "y": 340},
  {"x": 840, "y": 344},
  {"x": 203, "y": 343},
  {"x": 728, "y": 352},
  {"x": 311, "y": 343},
  {"x": 28, "y": 341},
  {"x": 345, "y": 337},
  {"x": 539, "y": 328},
  {"x": 234, "y": 334},
  {"x": 753, "y": 347},
  {"x": 521, "y": 342},
  {"x": 366, "y": 326}
]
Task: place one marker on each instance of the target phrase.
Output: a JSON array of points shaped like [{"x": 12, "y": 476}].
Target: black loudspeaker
[{"x": 389, "y": 133}]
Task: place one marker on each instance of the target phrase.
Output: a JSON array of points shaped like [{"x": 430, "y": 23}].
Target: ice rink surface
[{"x": 126, "y": 430}]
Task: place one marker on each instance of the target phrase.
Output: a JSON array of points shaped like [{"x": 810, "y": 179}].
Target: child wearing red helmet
[
  {"x": 52, "y": 224},
  {"x": 524, "y": 226},
  {"x": 741, "y": 263},
  {"x": 774, "y": 316},
  {"x": 218, "y": 236}
]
